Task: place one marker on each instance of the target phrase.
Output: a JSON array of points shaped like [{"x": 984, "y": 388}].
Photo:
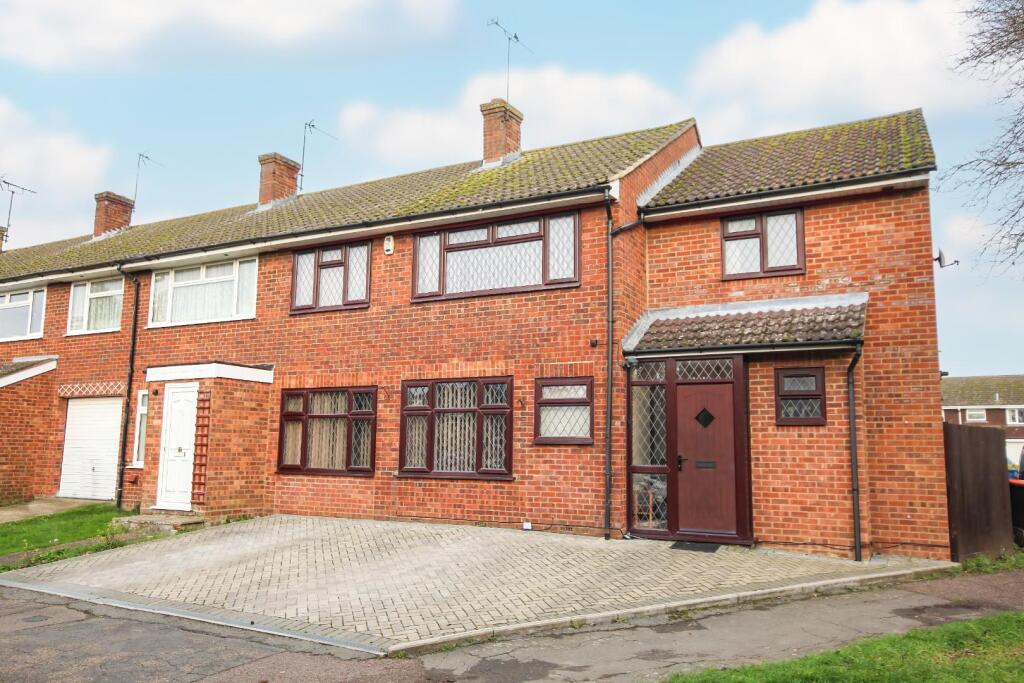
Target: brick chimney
[
  {"x": 279, "y": 177},
  {"x": 112, "y": 212},
  {"x": 502, "y": 123}
]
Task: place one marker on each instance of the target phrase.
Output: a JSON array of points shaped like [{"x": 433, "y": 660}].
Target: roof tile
[{"x": 983, "y": 390}]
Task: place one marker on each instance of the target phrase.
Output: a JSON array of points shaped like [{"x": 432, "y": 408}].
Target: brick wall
[
  {"x": 29, "y": 464},
  {"x": 880, "y": 244}
]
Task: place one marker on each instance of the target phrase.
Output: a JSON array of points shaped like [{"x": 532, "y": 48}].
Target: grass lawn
[
  {"x": 87, "y": 521},
  {"x": 987, "y": 649}
]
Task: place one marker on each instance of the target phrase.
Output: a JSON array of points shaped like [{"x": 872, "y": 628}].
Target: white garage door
[
  {"x": 90, "y": 448},
  {"x": 1013, "y": 450}
]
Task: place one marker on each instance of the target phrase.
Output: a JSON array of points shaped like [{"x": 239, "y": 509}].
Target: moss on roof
[
  {"x": 881, "y": 146},
  {"x": 538, "y": 173}
]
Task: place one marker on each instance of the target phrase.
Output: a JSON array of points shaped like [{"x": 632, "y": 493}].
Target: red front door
[{"x": 705, "y": 462}]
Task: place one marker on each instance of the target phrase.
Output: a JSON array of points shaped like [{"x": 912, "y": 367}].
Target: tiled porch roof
[
  {"x": 783, "y": 322},
  {"x": 12, "y": 367},
  {"x": 9, "y": 370}
]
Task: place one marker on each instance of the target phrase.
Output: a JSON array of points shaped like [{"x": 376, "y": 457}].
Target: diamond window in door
[{"x": 705, "y": 418}]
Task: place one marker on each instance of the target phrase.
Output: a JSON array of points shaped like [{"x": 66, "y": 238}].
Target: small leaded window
[
  {"x": 331, "y": 278},
  {"x": 800, "y": 396},
  {"x": 564, "y": 411},
  {"x": 328, "y": 431},
  {"x": 763, "y": 244},
  {"x": 457, "y": 427},
  {"x": 506, "y": 257}
]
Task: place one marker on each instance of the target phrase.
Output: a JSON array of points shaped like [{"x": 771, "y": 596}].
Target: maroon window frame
[
  {"x": 430, "y": 412},
  {"x": 320, "y": 264},
  {"x": 446, "y": 245},
  {"x": 782, "y": 394},
  {"x": 759, "y": 232},
  {"x": 540, "y": 403},
  {"x": 351, "y": 415}
]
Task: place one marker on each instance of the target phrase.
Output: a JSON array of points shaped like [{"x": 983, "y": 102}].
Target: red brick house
[
  {"x": 443, "y": 346},
  {"x": 988, "y": 400}
]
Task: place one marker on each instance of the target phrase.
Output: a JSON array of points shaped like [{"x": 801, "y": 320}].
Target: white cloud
[
  {"x": 558, "y": 105},
  {"x": 962, "y": 236},
  {"x": 54, "y": 34},
  {"x": 64, "y": 169},
  {"x": 842, "y": 59}
]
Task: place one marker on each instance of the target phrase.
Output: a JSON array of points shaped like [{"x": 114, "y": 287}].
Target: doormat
[{"x": 696, "y": 547}]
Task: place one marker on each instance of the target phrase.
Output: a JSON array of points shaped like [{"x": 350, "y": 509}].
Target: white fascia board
[
  {"x": 1006, "y": 406},
  {"x": 297, "y": 241},
  {"x": 174, "y": 373},
  {"x": 789, "y": 198},
  {"x": 27, "y": 373},
  {"x": 71, "y": 276}
]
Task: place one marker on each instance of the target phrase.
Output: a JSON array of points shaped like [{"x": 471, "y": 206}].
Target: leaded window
[
  {"x": 800, "y": 396},
  {"x": 21, "y": 314},
  {"x": 564, "y": 411},
  {"x": 457, "y": 427},
  {"x": 95, "y": 306},
  {"x": 328, "y": 431},
  {"x": 505, "y": 257},
  {"x": 214, "y": 292},
  {"x": 331, "y": 277},
  {"x": 648, "y": 446},
  {"x": 763, "y": 244}
]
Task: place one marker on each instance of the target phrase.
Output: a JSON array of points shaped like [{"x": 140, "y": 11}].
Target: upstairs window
[
  {"x": 457, "y": 428},
  {"x": 507, "y": 257},
  {"x": 95, "y": 306},
  {"x": 762, "y": 245},
  {"x": 800, "y": 396},
  {"x": 976, "y": 415},
  {"x": 331, "y": 278},
  {"x": 21, "y": 314},
  {"x": 1015, "y": 416},
  {"x": 215, "y": 292}
]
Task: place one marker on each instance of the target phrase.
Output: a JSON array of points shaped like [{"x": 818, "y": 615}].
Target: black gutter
[
  {"x": 128, "y": 389},
  {"x": 768, "y": 194},
  {"x": 851, "y": 399},
  {"x": 609, "y": 370},
  {"x": 312, "y": 233}
]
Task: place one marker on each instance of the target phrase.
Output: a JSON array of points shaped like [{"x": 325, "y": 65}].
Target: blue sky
[{"x": 205, "y": 87}]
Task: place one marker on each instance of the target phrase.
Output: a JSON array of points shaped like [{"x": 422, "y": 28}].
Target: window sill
[
  {"x": 85, "y": 333},
  {"x": 756, "y": 276},
  {"x": 455, "y": 475},
  {"x": 25, "y": 338},
  {"x": 135, "y": 466},
  {"x": 555, "y": 441},
  {"x": 492, "y": 292},
  {"x": 322, "y": 473},
  {"x": 329, "y": 309},
  {"x": 152, "y": 326}
]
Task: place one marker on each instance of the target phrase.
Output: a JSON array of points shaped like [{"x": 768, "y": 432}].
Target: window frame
[
  {"x": 29, "y": 334},
  {"x": 444, "y": 247},
  {"x": 759, "y": 219},
  {"x": 89, "y": 296},
  {"x": 540, "y": 402},
  {"x": 431, "y": 410},
  {"x": 350, "y": 415},
  {"x": 141, "y": 416},
  {"x": 1012, "y": 412},
  {"x": 204, "y": 265},
  {"x": 781, "y": 393},
  {"x": 968, "y": 411},
  {"x": 319, "y": 264}
]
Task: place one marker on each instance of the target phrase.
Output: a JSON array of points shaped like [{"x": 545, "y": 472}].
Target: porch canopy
[{"x": 770, "y": 325}]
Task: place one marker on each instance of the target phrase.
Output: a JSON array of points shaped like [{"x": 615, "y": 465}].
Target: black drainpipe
[
  {"x": 851, "y": 399},
  {"x": 609, "y": 371},
  {"x": 131, "y": 377}
]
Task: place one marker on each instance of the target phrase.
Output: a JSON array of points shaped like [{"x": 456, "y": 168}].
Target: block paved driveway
[{"x": 384, "y": 586}]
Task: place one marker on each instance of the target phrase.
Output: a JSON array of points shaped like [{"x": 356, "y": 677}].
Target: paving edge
[
  {"x": 86, "y": 596},
  {"x": 709, "y": 602}
]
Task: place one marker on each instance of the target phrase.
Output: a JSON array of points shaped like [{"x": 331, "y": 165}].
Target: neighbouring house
[
  {"x": 633, "y": 334},
  {"x": 988, "y": 400}
]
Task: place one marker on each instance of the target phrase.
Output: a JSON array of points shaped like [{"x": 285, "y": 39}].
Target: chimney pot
[
  {"x": 502, "y": 124},
  {"x": 279, "y": 177},
  {"x": 113, "y": 212}
]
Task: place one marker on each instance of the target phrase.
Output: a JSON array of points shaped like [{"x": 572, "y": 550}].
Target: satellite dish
[{"x": 941, "y": 260}]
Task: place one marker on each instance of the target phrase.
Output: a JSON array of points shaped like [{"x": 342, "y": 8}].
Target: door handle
[{"x": 679, "y": 462}]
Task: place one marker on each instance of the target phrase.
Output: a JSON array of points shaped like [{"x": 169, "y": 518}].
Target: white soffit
[{"x": 244, "y": 373}]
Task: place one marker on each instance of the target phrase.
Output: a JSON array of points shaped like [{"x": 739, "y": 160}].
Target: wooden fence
[{"x": 979, "y": 494}]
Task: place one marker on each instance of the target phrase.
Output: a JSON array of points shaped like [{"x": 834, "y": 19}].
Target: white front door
[
  {"x": 177, "y": 447},
  {"x": 91, "y": 438}
]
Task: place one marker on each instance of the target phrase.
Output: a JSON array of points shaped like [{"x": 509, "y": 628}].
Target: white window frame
[
  {"x": 171, "y": 286},
  {"x": 5, "y": 297},
  {"x": 968, "y": 418},
  {"x": 1011, "y": 413},
  {"x": 89, "y": 296},
  {"x": 141, "y": 414}
]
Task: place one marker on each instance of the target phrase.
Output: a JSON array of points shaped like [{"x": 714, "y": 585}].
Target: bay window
[
  {"x": 763, "y": 244},
  {"x": 213, "y": 292},
  {"x": 328, "y": 431},
  {"x": 457, "y": 428},
  {"x": 331, "y": 278},
  {"x": 505, "y": 257},
  {"x": 95, "y": 306},
  {"x": 21, "y": 314}
]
